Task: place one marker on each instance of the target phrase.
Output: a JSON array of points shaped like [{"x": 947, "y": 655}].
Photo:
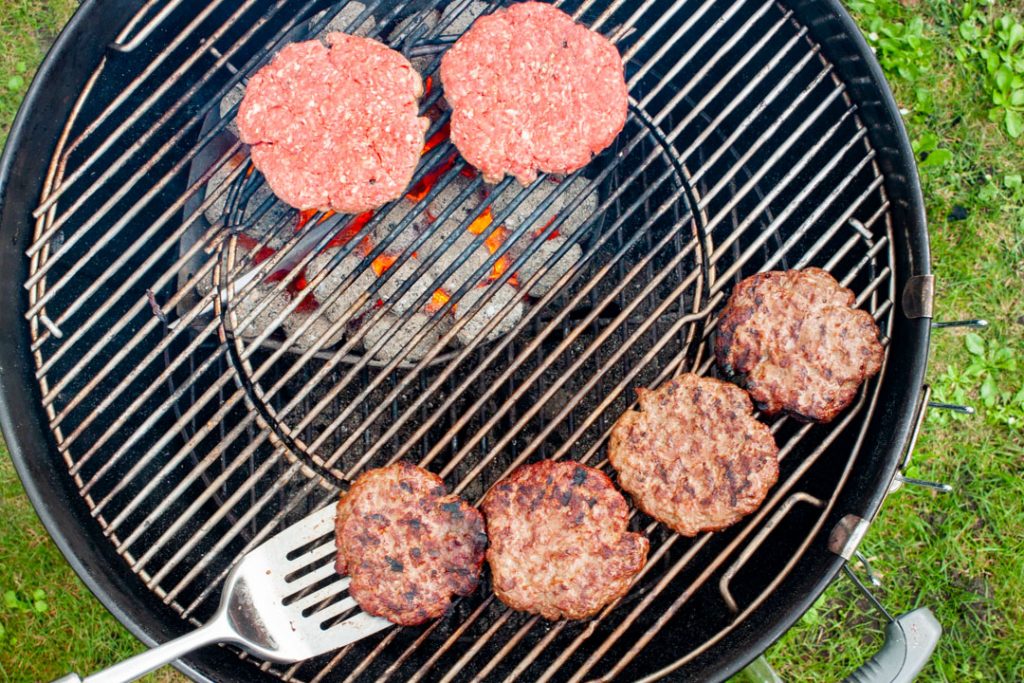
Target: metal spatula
[{"x": 279, "y": 603}]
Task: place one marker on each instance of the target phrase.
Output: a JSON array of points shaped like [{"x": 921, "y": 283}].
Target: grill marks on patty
[
  {"x": 797, "y": 343},
  {"x": 559, "y": 541},
  {"x": 407, "y": 546},
  {"x": 335, "y": 128},
  {"x": 694, "y": 457},
  {"x": 530, "y": 89}
]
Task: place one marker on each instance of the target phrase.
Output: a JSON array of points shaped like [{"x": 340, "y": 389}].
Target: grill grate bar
[
  {"x": 469, "y": 444},
  {"x": 414, "y": 247},
  {"x": 156, "y": 546},
  {"x": 139, "y": 175},
  {"x": 757, "y": 109},
  {"x": 625, "y": 383},
  {"x": 687, "y": 57},
  {"x": 785, "y": 213},
  {"x": 470, "y": 652},
  {"x": 208, "y": 396},
  {"x": 525, "y": 353},
  {"x": 152, "y": 103}
]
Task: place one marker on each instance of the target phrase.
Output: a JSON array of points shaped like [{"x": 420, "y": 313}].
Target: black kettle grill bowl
[{"x": 739, "y": 590}]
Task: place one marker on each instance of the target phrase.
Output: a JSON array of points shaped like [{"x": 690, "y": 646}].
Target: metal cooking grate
[{"x": 191, "y": 442}]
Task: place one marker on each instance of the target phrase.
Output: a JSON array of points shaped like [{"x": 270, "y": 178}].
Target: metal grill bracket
[
  {"x": 847, "y": 535},
  {"x": 919, "y": 296}
]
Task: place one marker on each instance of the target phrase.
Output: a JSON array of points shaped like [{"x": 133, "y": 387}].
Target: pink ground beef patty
[
  {"x": 335, "y": 127},
  {"x": 531, "y": 90}
]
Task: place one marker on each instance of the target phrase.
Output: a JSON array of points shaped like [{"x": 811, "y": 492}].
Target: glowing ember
[
  {"x": 308, "y": 304},
  {"x": 263, "y": 254},
  {"x": 248, "y": 243},
  {"x": 427, "y": 182},
  {"x": 481, "y": 222},
  {"x": 437, "y": 138},
  {"x": 350, "y": 230},
  {"x": 496, "y": 239},
  {"x": 540, "y": 231},
  {"x": 499, "y": 268},
  {"x": 381, "y": 264},
  {"x": 437, "y": 300},
  {"x": 304, "y": 217},
  {"x": 307, "y": 214}
]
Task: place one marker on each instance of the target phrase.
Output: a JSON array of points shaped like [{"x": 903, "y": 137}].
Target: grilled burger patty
[
  {"x": 559, "y": 544},
  {"x": 694, "y": 457},
  {"x": 797, "y": 343},
  {"x": 530, "y": 89},
  {"x": 407, "y": 546},
  {"x": 335, "y": 128}
]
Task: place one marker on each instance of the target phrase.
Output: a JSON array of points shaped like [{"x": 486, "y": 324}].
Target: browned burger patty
[
  {"x": 335, "y": 128},
  {"x": 407, "y": 546},
  {"x": 694, "y": 457},
  {"x": 559, "y": 545},
  {"x": 530, "y": 89},
  {"x": 797, "y": 343}
]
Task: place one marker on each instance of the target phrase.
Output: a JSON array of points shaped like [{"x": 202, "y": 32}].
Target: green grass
[
  {"x": 953, "y": 67},
  {"x": 49, "y": 622},
  {"x": 27, "y": 27}
]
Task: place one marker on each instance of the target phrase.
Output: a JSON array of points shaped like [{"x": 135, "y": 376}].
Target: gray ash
[
  {"x": 537, "y": 262},
  {"x": 478, "y": 319},
  {"x": 264, "y": 320},
  {"x": 568, "y": 192},
  {"x": 335, "y": 309},
  {"x": 316, "y": 332},
  {"x": 400, "y": 338},
  {"x": 395, "y": 280}
]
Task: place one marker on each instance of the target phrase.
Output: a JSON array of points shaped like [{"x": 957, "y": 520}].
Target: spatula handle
[{"x": 141, "y": 664}]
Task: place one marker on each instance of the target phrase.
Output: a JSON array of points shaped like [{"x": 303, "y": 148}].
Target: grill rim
[{"x": 60, "y": 507}]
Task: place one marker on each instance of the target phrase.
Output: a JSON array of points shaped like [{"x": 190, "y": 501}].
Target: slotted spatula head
[{"x": 285, "y": 601}]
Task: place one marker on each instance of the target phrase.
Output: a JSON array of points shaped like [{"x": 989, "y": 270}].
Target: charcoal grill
[{"x": 161, "y": 433}]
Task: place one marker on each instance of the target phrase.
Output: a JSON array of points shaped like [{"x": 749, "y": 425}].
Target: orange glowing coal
[
  {"x": 382, "y": 263},
  {"x": 304, "y": 217},
  {"x": 422, "y": 188},
  {"x": 437, "y": 138},
  {"x": 350, "y": 230},
  {"x": 438, "y": 299},
  {"x": 540, "y": 231},
  {"x": 481, "y": 222},
  {"x": 307, "y": 214}
]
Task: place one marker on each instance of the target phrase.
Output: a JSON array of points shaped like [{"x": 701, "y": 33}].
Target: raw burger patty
[
  {"x": 559, "y": 545},
  {"x": 407, "y": 546},
  {"x": 694, "y": 457},
  {"x": 335, "y": 128},
  {"x": 795, "y": 341},
  {"x": 530, "y": 89}
]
